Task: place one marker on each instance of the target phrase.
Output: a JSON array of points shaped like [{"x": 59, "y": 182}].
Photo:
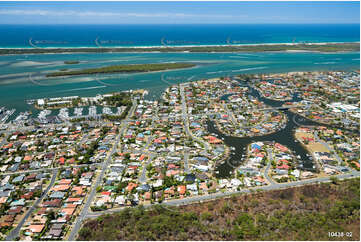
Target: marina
[{"x": 5, "y": 114}]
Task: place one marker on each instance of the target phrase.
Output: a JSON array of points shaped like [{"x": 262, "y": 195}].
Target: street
[
  {"x": 84, "y": 211},
  {"x": 15, "y": 232},
  {"x": 274, "y": 186}
]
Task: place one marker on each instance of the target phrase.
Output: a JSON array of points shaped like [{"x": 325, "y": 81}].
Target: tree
[{"x": 334, "y": 180}]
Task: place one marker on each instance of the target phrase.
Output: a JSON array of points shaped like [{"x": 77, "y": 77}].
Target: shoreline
[
  {"x": 326, "y": 47},
  {"x": 176, "y": 46}
]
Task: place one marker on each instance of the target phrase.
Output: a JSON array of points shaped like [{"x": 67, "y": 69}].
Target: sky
[{"x": 179, "y": 12}]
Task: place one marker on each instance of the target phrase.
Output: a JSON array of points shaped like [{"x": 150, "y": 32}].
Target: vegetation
[
  {"x": 299, "y": 213},
  {"x": 334, "y": 47},
  {"x": 123, "y": 68},
  {"x": 71, "y": 62},
  {"x": 120, "y": 99}
]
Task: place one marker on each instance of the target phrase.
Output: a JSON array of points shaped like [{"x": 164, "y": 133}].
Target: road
[
  {"x": 142, "y": 178},
  {"x": 275, "y": 186},
  {"x": 83, "y": 139},
  {"x": 186, "y": 165},
  {"x": 85, "y": 209},
  {"x": 230, "y": 114},
  {"x": 15, "y": 232},
  {"x": 269, "y": 152},
  {"x": 186, "y": 121},
  {"x": 317, "y": 139},
  {"x": 47, "y": 169},
  {"x": 4, "y": 140}
]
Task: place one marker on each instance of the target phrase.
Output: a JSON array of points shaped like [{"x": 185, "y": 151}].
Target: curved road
[
  {"x": 269, "y": 152},
  {"x": 275, "y": 186},
  {"x": 186, "y": 121}
]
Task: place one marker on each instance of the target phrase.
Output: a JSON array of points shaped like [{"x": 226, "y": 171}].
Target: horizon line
[{"x": 323, "y": 23}]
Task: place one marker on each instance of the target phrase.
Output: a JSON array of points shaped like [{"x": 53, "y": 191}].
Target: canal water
[{"x": 285, "y": 136}]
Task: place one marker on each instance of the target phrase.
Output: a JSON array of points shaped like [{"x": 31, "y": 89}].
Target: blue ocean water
[
  {"x": 18, "y": 36},
  {"x": 23, "y": 77}
]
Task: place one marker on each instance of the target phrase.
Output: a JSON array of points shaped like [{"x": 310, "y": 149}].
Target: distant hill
[{"x": 300, "y": 213}]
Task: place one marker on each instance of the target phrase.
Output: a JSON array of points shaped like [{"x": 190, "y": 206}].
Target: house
[
  {"x": 75, "y": 200},
  {"x": 54, "y": 233},
  {"x": 65, "y": 182},
  {"x": 27, "y": 195},
  {"x": 121, "y": 200},
  {"x": 30, "y": 177},
  {"x": 15, "y": 210},
  {"x": 18, "y": 179},
  {"x": 283, "y": 167},
  {"x": 36, "y": 228},
  {"x": 181, "y": 189},
  {"x": 203, "y": 186},
  {"x": 52, "y": 203},
  {"x": 60, "y": 188},
  {"x": 3, "y": 200},
  {"x": 57, "y": 194},
  {"x": 131, "y": 186},
  {"x": 55, "y": 230},
  {"x": 67, "y": 211},
  {"x": 20, "y": 202},
  {"x": 236, "y": 182},
  {"x": 192, "y": 187},
  {"x": 78, "y": 191}
]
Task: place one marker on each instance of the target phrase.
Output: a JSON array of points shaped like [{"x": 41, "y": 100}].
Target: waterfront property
[{"x": 201, "y": 139}]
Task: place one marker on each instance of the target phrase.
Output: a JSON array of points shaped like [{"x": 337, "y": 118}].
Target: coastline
[
  {"x": 176, "y": 46},
  {"x": 326, "y": 47}
]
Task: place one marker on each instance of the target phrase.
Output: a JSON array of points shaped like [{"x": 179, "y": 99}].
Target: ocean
[
  {"x": 22, "y": 77},
  {"x": 24, "y": 36}
]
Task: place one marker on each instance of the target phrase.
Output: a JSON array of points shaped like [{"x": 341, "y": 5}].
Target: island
[
  {"x": 124, "y": 69},
  {"x": 318, "y": 47},
  {"x": 70, "y": 62}
]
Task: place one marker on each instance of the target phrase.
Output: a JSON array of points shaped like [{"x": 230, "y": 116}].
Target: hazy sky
[{"x": 178, "y": 12}]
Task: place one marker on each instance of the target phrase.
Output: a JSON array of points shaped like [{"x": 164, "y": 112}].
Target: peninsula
[
  {"x": 319, "y": 47},
  {"x": 123, "y": 69}
]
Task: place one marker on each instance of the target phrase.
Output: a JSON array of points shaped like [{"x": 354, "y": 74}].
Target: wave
[
  {"x": 238, "y": 57},
  {"x": 324, "y": 63},
  {"x": 85, "y": 88},
  {"x": 249, "y": 69},
  {"x": 30, "y": 63},
  {"x": 23, "y": 74},
  {"x": 214, "y": 72}
]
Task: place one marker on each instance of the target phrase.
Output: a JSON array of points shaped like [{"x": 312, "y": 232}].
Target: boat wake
[
  {"x": 325, "y": 63},
  {"x": 249, "y": 69},
  {"x": 214, "y": 72},
  {"x": 85, "y": 88}
]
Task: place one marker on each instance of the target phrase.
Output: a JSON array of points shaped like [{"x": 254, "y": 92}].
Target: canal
[{"x": 285, "y": 136}]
